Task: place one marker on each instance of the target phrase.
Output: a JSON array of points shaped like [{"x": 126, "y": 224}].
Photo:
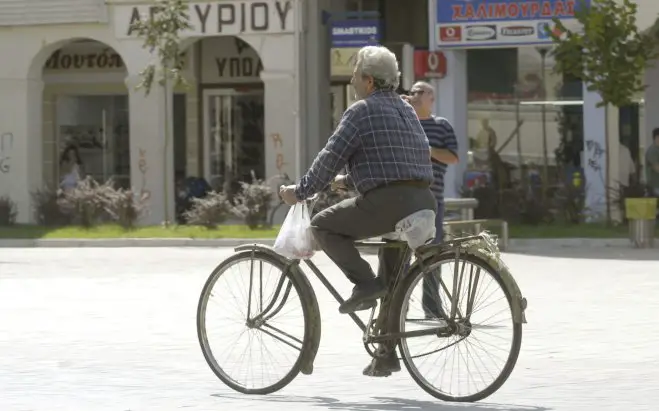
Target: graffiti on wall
[
  {"x": 595, "y": 157},
  {"x": 280, "y": 161},
  {"x": 143, "y": 167},
  {"x": 6, "y": 147}
]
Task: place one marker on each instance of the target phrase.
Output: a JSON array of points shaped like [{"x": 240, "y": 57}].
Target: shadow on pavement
[
  {"x": 599, "y": 253},
  {"x": 386, "y": 404}
]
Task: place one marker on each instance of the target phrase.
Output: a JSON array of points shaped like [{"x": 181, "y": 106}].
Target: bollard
[
  {"x": 641, "y": 233},
  {"x": 641, "y": 213}
]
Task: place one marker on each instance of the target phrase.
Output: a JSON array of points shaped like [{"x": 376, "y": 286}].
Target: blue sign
[
  {"x": 501, "y": 23},
  {"x": 355, "y": 33}
]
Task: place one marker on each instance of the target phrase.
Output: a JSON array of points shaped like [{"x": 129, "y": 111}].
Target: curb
[
  {"x": 130, "y": 242},
  {"x": 514, "y": 244}
]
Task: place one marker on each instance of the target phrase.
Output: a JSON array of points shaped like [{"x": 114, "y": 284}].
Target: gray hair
[{"x": 381, "y": 64}]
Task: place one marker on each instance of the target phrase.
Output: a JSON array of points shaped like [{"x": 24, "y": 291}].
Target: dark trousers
[{"x": 370, "y": 215}]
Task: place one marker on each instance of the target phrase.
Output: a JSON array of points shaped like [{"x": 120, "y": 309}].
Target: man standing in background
[
  {"x": 443, "y": 151},
  {"x": 652, "y": 164}
]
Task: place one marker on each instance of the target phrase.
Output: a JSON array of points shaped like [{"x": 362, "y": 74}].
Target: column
[
  {"x": 282, "y": 125},
  {"x": 316, "y": 114},
  {"x": 151, "y": 158},
  {"x": 451, "y": 103},
  {"x": 594, "y": 155},
  {"x": 21, "y": 142}
]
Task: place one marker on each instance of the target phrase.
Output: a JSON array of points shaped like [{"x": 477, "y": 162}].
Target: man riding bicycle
[{"x": 381, "y": 142}]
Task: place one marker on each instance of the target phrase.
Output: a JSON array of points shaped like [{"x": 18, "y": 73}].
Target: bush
[
  {"x": 209, "y": 211},
  {"x": 571, "y": 203},
  {"x": 125, "y": 206},
  {"x": 47, "y": 209},
  {"x": 8, "y": 211},
  {"x": 86, "y": 203},
  {"x": 253, "y": 202}
]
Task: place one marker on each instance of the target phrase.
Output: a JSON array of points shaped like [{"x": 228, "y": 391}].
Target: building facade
[
  {"x": 265, "y": 86},
  {"x": 257, "y": 86}
]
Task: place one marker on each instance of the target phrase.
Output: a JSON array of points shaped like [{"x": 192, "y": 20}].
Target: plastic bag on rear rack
[{"x": 295, "y": 239}]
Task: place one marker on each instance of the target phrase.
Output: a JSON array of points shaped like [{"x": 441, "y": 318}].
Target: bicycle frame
[{"x": 458, "y": 275}]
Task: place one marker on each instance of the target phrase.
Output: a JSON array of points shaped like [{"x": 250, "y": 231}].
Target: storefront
[
  {"x": 75, "y": 85},
  {"x": 233, "y": 111},
  {"x": 501, "y": 92}
]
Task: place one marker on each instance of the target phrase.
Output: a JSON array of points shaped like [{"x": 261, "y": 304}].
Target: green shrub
[
  {"x": 8, "y": 211},
  {"x": 47, "y": 208},
  {"x": 253, "y": 202},
  {"x": 125, "y": 206},
  {"x": 86, "y": 203},
  {"x": 209, "y": 211}
]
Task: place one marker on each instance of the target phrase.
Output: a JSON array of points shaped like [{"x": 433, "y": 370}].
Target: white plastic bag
[
  {"x": 295, "y": 239},
  {"x": 416, "y": 229}
]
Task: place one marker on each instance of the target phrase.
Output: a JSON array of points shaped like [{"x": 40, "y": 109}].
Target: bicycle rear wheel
[
  {"x": 256, "y": 346},
  {"x": 470, "y": 357}
]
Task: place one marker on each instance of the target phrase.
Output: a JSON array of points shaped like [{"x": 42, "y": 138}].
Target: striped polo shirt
[{"x": 440, "y": 135}]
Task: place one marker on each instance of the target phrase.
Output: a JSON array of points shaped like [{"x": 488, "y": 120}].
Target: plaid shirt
[{"x": 380, "y": 140}]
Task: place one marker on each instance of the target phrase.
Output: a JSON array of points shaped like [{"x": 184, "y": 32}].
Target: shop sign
[
  {"x": 429, "y": 64},
  {"x": 342, "y": 61},
  {"x": 501, "y": 23},
  {"x": 355, "y": 33},
  {"x": 229, "y": 60},
  {"x": 84, "y": 57},
  {"x": 219, "y": 18}
]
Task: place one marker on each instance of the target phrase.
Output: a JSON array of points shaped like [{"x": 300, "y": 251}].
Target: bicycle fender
[
  {"x": 310, "y": 347},
  {"x": 519, "y": 302}
]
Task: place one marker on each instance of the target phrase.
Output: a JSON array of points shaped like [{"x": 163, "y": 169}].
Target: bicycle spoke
[
  {"x": 470, "y": 361},
  {"x": 261, "y": 346}
]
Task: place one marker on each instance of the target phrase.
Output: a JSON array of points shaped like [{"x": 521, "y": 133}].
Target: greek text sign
[
  {"x": 229, "y": 60},
  {"x": 220, "y": 18},
  {"x": 355, "y": 33},
  {"x": 501, "y": 23}
]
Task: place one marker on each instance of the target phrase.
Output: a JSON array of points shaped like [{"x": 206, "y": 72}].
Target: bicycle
[{"x": 387, "y": 329}]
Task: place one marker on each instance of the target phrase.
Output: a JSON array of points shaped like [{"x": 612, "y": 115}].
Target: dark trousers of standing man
[
  {"x": 431, "y": 303},
  {"x": 373, "y": 214}
]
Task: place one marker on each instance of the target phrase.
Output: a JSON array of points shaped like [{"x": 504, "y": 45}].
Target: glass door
[{"x": 233, "y": 137}]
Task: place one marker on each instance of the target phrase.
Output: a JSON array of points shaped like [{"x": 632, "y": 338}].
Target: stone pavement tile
[{"x": 114, "y": 329}]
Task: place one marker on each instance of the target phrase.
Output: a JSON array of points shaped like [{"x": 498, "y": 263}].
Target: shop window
[
  {"x": 491, "y": 73},
  {"x": 93, "y": 138},
  {"x": 517, "y": 106},
  {"x": 234, "y": 140}
]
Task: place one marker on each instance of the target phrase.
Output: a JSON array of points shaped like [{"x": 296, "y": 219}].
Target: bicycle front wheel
[
  {"x": 253, "y": 323},
  {"x": 472, "y": 352}
]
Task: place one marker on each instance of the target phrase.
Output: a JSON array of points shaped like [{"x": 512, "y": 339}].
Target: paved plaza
[{"x": 114, "y": 329}]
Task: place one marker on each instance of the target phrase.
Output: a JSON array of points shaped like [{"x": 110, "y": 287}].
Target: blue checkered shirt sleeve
[{"x": 331, "y": 159}]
